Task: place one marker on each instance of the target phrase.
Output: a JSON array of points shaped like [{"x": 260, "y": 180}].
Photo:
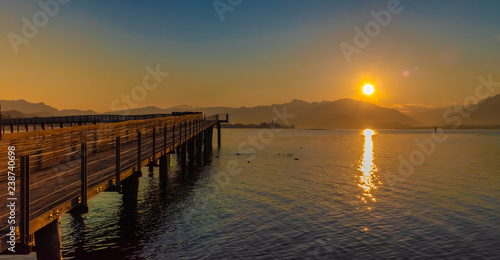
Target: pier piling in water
[
  {"x": 218, "y": 135},
  {"x": 190, "y": 146},
  {"x": 48, "y": 241},
  {"x": 130, "y": 188},
  {"x": 164, "y": 161},
  {"x": 183, "y": 156}
]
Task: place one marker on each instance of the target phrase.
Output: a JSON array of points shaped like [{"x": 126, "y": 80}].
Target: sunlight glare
[
  {"x": 368, "y": 89},
  {"x": 367, "y": 167}
]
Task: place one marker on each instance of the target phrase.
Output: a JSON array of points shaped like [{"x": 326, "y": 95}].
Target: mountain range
[
  {"x": 23, "y": 108},
  {"x": 342, "y": 113}
]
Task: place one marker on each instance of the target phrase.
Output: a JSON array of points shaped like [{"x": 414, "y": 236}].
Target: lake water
[{"x": 309, "y": 194}]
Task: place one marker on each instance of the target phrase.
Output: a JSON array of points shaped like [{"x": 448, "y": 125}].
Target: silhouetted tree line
[
  {"x": 262, "y": 125},
  {"x": 184, "y": 113}
]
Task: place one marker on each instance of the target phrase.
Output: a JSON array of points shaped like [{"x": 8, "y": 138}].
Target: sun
[{"x": 368, "y": 89}]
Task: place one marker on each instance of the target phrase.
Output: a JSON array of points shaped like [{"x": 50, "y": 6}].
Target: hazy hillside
[
  {"x": 13, "y": 114},
  {"x": 343, "y": 113},
  {"x": 486, "y": 113},
  {"x": 348, "y": 113},
  {"x": 429, "y": 117},
  {"x": 29, "y": 109}
]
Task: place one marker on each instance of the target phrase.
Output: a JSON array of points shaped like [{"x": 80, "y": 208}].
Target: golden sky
[{"x": 91, "y": 53}]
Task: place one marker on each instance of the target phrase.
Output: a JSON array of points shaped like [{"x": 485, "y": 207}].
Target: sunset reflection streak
[{"x": 368, "y": 168}]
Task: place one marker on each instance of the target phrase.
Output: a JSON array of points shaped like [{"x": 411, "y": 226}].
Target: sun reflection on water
[{"x": 367, "y": 168}]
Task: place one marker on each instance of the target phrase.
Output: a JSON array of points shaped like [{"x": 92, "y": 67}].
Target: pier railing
[{"x": 43, "y": 123}]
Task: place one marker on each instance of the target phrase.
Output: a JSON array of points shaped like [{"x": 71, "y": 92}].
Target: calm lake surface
[{"x": 309, "y": 194}]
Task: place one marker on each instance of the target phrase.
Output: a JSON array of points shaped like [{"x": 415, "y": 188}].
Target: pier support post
[
  {"x": 25, "y": 239},
  {"x": 218, "y": 135},
  {"x": 139, "y": 157},
  {"x": 199, "y": 149},
  {"x": 211, "y": 137},
  {"x": 205, "y": 143},
  {"x": 165, "y": 140},
  {"x": 48, "y": 242},
  {"x": 207, "y": 149},
  {"x": 191, "y": 152},
  {"x": 130, "y": 188},
  {"x": 83, "y": 208},
  {"x": 164, "y": 161},
  {"x": 173, "y": 135},
  {"x": 183, "y": 156},
  {"x": 118, "y": 165},
  {"x": 154, "y": 145}
]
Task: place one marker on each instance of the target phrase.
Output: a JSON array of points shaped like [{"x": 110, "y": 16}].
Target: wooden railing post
[
  {"x": 173, "y": 135},
  {"x": 25, "y": 205},
  {"x": 165, "y": 140},
  {"x": 118, "y": 164},
  {"x": 84, "y": 176},
  {"x": 139, "y": 145},
  {"x": 154, "y": 144}
]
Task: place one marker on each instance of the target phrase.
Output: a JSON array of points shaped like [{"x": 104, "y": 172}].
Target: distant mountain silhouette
[
  {"x": 486, "y": 113},
  {"x": 27, "y": 107},
  {"x": 24, "y": 108},
  {"x": 342, "y": 113},
  {"x": 13, "y": 114},
  {"x": 430, "y": 117},
  {"x": 349, "y": 113}
]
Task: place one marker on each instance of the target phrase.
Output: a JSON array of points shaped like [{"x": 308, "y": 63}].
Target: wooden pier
[{"x": 62, "y": 162}]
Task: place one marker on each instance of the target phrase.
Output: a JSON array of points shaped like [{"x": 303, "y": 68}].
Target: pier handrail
[{"x": 80, "y": 120}]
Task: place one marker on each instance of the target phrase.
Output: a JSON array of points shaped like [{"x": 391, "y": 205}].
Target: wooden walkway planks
[{"x": 58, "y": 187}]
